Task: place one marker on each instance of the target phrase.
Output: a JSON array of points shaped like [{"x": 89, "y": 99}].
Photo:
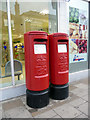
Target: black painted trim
[
  {"x": 37, "y": 99},
  {"x": 59, "y": 92}
]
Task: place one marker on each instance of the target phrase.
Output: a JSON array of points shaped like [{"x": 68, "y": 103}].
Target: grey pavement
[{"x": 75, "y": 106}]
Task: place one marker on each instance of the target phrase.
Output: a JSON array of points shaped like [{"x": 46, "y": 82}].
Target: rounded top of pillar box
[
  {"x": 60, "y": 35},
  {"x": 37, "y": 33}
]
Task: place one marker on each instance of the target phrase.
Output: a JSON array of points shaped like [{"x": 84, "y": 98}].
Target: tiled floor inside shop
[{"x": 75, "y": 106}]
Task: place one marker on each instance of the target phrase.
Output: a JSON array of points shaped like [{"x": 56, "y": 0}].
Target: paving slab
[
  {"x": 1, "y": 114},
  {"x": 23, "y": 98},
  {"x": 0, "y": 105},
  {"x": 77, "y": 102},
  {"x": 80, "y": 92},
  {"x": 12, "y": 104},
  {"x": 72, "y": 87},
  {"x": 75, "y": 106},
  {"x": 82, "y": 86},
  {"x": 18, "y": 112},
  {"x": 67, "y": 111},
  {"x": 83, "y": 108},
  {"x": 65, "y": 101},
  {"x": 85, "y": 97},
  {"x": 48, "y": 114},
  {"x": 52, "y": 104},
  {"x": 85, "y": 81},
  {"x": 56, "y": 117},
  {"x": 36, "y": 112},
  {"x": 82, "y": 116}
]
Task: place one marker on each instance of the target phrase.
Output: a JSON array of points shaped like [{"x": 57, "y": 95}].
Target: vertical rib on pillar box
[
  {"x": 37, "y": 68},
  {"x": 59, "y": 66}
]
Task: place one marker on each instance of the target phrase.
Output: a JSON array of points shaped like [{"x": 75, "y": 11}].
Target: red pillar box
[
  {"x": 37, "y": 68},
  {"x": 59, "y": 65}
]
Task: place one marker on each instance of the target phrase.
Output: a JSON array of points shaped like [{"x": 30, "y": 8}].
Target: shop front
[{"x": 48, "y": 16}]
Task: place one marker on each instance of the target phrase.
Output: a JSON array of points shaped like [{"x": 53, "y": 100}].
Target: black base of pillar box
[
  {"x": 59, "y": 92},
  {"x": 37, "y": 99}
]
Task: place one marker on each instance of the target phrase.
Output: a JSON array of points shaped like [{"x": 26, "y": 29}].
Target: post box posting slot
[
  {"x": 40, "y": 48},
  {"x": 62, "y": 48}
]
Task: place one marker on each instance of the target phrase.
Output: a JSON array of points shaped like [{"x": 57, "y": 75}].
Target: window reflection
[
  {"x": 30, "y": 16},
  {"x": 4, "y": 46}
]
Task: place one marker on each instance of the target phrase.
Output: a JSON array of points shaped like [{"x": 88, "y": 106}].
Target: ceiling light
[
  {"x": 28, "y": 20},
  {"x": 20, "y": 36}
]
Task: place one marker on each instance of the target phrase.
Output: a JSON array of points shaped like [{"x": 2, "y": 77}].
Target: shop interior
[{"x": 22, "y": 21}]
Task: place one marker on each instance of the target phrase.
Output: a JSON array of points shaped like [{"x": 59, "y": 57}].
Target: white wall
[{"x": 63, "y": 16}]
